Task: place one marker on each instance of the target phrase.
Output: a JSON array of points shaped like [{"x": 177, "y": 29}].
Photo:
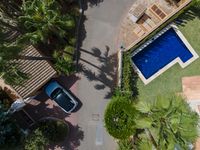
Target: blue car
[{"x": 63, "y": 98}]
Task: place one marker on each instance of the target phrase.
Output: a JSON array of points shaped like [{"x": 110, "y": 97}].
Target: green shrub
[
  {"x": 63, "y": 63},
  {"x": 10, "y": 134},
  {"x": 196, "y": 3},
  {"x": 129, "y": 77},
  {"x": 119, "y": 117},
  {"x": 46, "y": 132},
  {"x": 67, "y": 58},
  {"x": 5, "y": 99},
  {"x": 72, "y": 41},
  {"x": 125, "y": 145},
  {"x": 69, "y": 50},
  {"x": 68, "y": 53},
  {"x": 54, "y": 130},
  {"x": 36, "y": 141}
]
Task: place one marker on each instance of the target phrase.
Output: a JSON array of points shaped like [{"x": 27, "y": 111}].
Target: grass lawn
[{"x": 170, "y": 80}]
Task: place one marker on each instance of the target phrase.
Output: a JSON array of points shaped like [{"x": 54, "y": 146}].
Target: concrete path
[{"x": 98, "y": 62}]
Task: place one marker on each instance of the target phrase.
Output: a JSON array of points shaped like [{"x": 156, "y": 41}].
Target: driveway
[
  {"x": 98, "y": 75},
  {"x": 42, "y": 107}
]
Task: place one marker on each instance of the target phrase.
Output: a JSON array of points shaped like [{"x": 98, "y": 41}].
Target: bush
[
  {"x": 54, "y": 130},
  {"x": 63, "y": 63},
  {"x": 46, "y": 132},
  {"x": 196, "y": 3},
  {"x": 36, "y": 141},
  {"x": 10, "y": 134},
  {"x": 5, "y": 99},
  {"x": 129, "y": 77},
  {"x": 125, "y": 145},
  {"x": 69, "y": 50},
  {"x": 119, "y": 117},
  {"x": 72, "y": 41}
]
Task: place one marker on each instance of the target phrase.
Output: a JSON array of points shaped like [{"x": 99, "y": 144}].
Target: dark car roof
[{"x": 62, "y": 99}]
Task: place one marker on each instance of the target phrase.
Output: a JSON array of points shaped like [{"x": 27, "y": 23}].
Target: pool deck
[
  {"x": 132, "y": 33},
  {"x": 169, "y": 65}
]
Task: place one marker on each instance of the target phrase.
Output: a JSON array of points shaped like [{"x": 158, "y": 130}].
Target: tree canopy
[
  {"x": 167, "y": 122},
  {"x": 42, "y": 20},
  {"x": 119, "y": 117},
  {"x": 42, "y": 23},
  {"x": 163, "y": 123},
  {"x": 46, "y": 132},
  {"x": 9, "y": 70},
  {"x": 10, "y": 134}
]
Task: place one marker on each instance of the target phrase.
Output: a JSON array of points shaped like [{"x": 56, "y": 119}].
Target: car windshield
[{"x": 62, "y": 99}]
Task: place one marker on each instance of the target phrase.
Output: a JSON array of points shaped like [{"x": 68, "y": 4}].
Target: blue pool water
[{"x": 161, "y": 52}]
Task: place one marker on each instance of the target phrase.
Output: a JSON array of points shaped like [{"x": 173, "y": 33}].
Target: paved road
[{"x": 99, "y": 69}]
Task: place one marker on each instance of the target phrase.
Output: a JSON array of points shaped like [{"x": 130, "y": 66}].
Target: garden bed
[{"x": 45, "y": 132}]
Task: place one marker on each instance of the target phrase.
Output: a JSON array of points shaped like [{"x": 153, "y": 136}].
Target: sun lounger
[
  {"x": 158, "y": 11},
  {"x": 150, "y": 22},
  {"x": 138, "y": 31},
  {"x": 146, "y": 26}
]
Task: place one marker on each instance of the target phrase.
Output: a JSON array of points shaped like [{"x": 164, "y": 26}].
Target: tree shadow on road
[
  {"x": 82, "y": 30},
  {"x": 91, "y": 3},
  {"x": 107, "y": 70},
  {"x": 67, "y": 81}
]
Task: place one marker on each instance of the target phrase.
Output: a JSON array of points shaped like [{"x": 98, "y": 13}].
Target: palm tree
[
  {"x": 166, "y": 123},
  {"x": 11, "y": 8},
  {"x": 43, "y": 19},
  {"x": 9, "y": 70},
  {"x": 9, "y": 11}
]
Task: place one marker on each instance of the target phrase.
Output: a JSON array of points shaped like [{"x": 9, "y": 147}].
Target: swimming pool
[{"x": 161, "y": 52}]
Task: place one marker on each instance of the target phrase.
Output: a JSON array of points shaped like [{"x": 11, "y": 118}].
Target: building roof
[{"x": 39, "y": 71}]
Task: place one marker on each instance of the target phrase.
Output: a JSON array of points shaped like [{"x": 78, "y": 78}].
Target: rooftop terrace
[{"x": 156, "y": 13}]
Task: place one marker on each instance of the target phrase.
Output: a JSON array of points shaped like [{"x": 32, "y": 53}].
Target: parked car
[{"x": 61, "y": 96}]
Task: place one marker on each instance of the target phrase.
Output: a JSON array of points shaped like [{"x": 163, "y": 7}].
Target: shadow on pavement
[
  {"x": 67, "y": 81},
  {"x": 91, "y": 3},
  {"x": 107, "y": 70},
  {"x": 41, "y": 106}
]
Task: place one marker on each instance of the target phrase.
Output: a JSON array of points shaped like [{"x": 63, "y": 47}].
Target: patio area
[
  {"x": 144, "y": 17},
  {"x": 191, "y": 88},
  {"x": 191, "y": 92}
]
